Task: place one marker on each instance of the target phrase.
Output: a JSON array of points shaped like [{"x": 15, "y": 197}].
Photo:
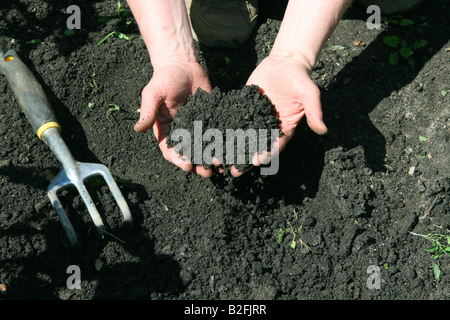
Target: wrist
[
  {"x": 179, "y": 54},
  {"x": 293, "y": 56}
]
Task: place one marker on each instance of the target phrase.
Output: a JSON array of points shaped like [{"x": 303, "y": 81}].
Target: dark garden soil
[
  {"x": 229, "y": 126},
  {"x": 352, "y": 197}
]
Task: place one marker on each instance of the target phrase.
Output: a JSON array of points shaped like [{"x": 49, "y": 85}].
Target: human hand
[
  {"x": 287, "y": 83},
  {"x": 171, "y": 85}
]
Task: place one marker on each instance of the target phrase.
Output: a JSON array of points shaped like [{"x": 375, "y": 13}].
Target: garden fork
[{"x": 37, "y": 109}]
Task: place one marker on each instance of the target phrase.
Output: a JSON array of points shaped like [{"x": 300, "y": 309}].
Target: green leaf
[
  {"x": 419, "y": 44},
  {"x": 443, "y": 93},
  {"x": 393, "y": 58},
  {"x": 293, "y": 244},
  {"x": 419, "y": 156},
  {"x": 34, "y": 41},
  {"x": 115, "y": 107},
  {"x": 392, "y": 41},
  {"x": 107, "y": 36},
  {"x": 406, "y": 22},
  {"x": 69, "y": 32},
  {"x": 281, "y": 234},
  {"x": 421, "y": 138},
  {"x": 91, "y": 105},
  {"x": 405, "y": 52},
  {"x": 227, "y": 60},
  {"x": 436, "y": 271},
  {"x": 98, "y": 264},
  {"x": 336, "y": 48},
  {"x": 411, "y": 62},
  {"x": 121, "y": 35},
  {"x": 432, "y": 249},
  {"x": 447, "y": 250}
]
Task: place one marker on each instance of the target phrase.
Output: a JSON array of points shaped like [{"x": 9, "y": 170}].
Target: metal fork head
[
  {"x": 76, "y": 178},
  {"x": 75, "y": 173}
]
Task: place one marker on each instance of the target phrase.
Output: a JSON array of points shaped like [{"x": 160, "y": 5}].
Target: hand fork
[{"x": 36, "y": 107}]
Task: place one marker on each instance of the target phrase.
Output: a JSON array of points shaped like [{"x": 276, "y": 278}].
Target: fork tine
[
  {"x": 93, "y": 212},
  {"x": 114, "y": 188},
  {"x": 67, "y": 225}
]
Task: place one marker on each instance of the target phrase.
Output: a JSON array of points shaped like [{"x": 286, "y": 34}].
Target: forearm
[
  {"x": 305, "y": 28},
  {"x": 165, "y": 28}
]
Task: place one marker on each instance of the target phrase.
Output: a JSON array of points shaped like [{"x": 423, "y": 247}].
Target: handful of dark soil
[{"x": 229, "y": 126}]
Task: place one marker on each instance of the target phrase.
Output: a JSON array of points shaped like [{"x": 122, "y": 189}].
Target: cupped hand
[
  {"x": 287, "y": 83},
  {"x": 169, "y": 88}
]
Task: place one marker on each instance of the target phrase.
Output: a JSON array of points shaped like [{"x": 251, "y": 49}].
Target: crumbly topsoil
[{"x": 242, "y": 121}]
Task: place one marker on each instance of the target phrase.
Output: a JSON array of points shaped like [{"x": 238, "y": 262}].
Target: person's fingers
[
  {"x": 218, "y": 165},
  {"x": 313, "y": 110},
  {"x": 172, "y": 156},
  {"x": 276, "y": 147},
  {"x": 236, "y": 173},
  {"x": 179, "y": 160},
  {"x": 160, "y": 132},
  {"x": 202, "y": 171},
  {"x": 150, "y": 104}
]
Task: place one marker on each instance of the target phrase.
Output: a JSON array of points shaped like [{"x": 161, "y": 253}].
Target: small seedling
[
  {"x": 422, "y": 138},
  {"x": 95, "y": 103},
  {"x": 69, "y": 32},
  {"x": 404, "y": 50},
  {"x": 290, "y": 230},
  {"x": 95, "y": 86},
  {"x": 119, "y": 34},
  {"x": 400, "y": 20},
  {"x": 336, "y": 48},
  {"x": 443, "y": 93},
  {"x": 440, "y": 245},
  {"x": 122, "y": 12},
  {"x": 114, "y": 108}
]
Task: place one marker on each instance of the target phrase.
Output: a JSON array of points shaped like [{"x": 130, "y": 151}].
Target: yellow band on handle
[{"x": 46, "y": 126}]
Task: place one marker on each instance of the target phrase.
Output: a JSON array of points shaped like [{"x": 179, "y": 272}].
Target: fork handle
[{"x": 28, "y": 91}]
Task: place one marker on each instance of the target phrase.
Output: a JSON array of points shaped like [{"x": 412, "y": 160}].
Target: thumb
[
  {"x": 149, "y": 108},
  {"x": 313, "y": 111}
]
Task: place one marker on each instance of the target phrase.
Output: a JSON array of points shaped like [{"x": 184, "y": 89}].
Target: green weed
[
  {"x": 294, "y": 232},
  {"x": 399, "y": 20},
  {"x": 440, "y": 245},
  {"x": 403, "y": 49},
  {"x": 119, "y": 34},
  {"x": 69, "y": 32},
  {"x": 123, "y": 14}
]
